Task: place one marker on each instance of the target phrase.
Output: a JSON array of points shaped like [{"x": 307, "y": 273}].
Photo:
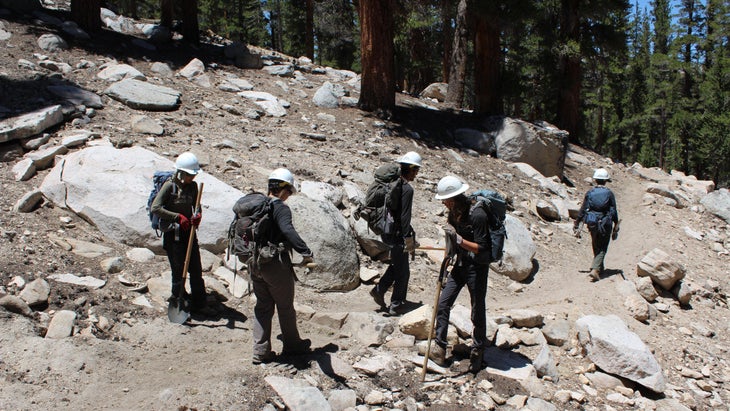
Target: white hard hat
[
  {"x": 188, "y": 163},
  {"x": 410, "y": 157},
  {"x": 450, "y": 186},
  {"x": 285, "y": 176},
  {"x": 601, "y": 174}
]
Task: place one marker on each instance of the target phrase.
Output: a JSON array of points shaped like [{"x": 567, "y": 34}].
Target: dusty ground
[{"x": 144, "y": 362}]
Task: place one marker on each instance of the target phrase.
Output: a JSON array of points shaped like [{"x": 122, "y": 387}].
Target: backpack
[
  {"x": 496, "y": 207},
  {"x": 250, "y": 228},
  {"x": 380, "y": 197},
  {"x": 158, "y": 179},
  {"x": 599, "y": 203}
]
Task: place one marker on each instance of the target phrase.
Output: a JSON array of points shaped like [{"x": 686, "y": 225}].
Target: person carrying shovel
[
  {"x": 176, "y": 203},
  {"x": 469, "y": 233}
]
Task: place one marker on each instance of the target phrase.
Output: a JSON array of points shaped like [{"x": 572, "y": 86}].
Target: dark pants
[
  {"x": 600, "y": 247},
  {"x": 273, "y": 286},
  {"x": 475, "y": 278},
  {"x": 176, "y": 251},
  {"x": 397, "y": 274}
]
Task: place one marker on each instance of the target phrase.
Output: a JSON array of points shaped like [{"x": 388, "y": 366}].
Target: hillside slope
[{"x": 135, "y": 359}]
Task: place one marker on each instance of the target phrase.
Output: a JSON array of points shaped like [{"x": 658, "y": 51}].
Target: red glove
[
  {"x": 195, "y": 219},
  {"x": 184, "y": 222}
]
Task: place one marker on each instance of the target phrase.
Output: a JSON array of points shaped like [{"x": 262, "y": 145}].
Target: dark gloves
[
  {"x": 614, "y": 234},
  {"x": 195, "y": 219},
  {"x": 184, "y": 222}
]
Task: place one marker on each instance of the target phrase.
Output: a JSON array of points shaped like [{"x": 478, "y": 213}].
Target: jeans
[{"x": 474, "y": 276}]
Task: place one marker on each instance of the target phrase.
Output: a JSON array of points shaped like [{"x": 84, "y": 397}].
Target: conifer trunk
[
  {"x": 86, "y": 13},
  {"x": 487, "y": 59},
  {"x": 378, "y": 68},
  {"x": 457, "y": 72},
  {"x": 568, "y": 117}
]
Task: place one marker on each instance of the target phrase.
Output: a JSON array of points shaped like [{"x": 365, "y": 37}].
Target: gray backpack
[{"x": 380, "y": 197}]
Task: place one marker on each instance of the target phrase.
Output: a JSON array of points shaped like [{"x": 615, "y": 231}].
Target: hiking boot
[
  {"x": 204, "y": 310},
  {"x": 263, "y": 358},
  {"x": 437, "y": 355},
  {"x": 378, "y": 297},
  {"x": 300, "y": 348},
  {"x": 595, "y": 274},
  {"x": 476, "y": 357},
  {"x": 395, "y": 310}
]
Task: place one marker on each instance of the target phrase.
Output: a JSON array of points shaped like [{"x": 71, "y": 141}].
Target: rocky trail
[{"x": 83, "y": 283}]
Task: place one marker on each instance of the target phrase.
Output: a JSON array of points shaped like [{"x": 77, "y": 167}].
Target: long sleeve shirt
[
  {"x": 170, "y": 202},
  {"x": 405, "y": 210},
  {"x": 283, "y": 230},
  {"x": 476, "y": 229},
  {"x": 587, "y": 206}
]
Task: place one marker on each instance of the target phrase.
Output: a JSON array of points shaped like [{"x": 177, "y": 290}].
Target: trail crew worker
[
  {"x": 273, "y": 284},
  {"x": 600, "y": 214},
  {"x": 174, "y": 203},
  {"x": 470, "y": 234},
  {"x": 399, "y": 236}
]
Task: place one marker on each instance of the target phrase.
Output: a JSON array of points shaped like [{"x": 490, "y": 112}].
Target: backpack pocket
[{"x": 592, "y": 219}]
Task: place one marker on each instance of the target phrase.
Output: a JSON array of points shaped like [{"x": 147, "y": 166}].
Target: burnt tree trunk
[
  {"x": 378, "y": 68},
  {"x": 487, "y": 59},
  {"x": 86, "y": 13},
  {"x": 190, "y": 30},
  {"x": 568, "y": 116},
  {"x": 166, "y": 11},
  {"x": 457, "y": 72}
]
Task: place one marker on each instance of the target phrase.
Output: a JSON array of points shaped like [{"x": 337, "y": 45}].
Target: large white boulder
[
  {"x": 519, "y": 251},
  {"x": 109, "y": 188}
]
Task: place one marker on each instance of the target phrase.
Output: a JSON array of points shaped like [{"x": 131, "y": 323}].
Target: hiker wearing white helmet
[
  {"x": 399, "y": 236},
  {"x": 273, "y": 283},
  {"x": 175, "y": 204},
  {"x": 599, "y": 213},
  {"x": 469, "y": 232}
]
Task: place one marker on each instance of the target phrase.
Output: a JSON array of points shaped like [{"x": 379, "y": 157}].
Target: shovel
[{"x": 178, "y": 311}]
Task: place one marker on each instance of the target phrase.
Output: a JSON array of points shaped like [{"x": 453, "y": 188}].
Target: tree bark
[
  {"x": 190, "y": 30},
  {"x": 568, "y": 116},
  {"x": 309, "y": 28},
  {"x": 378, "y": 69},
  {"x": 166, "y": 11},
  {"x": 487, "y": 59},
  {"x": 86, "y": 13},
  {"x": 448, "y": 36},
  {"x": 457, "y": 72}
]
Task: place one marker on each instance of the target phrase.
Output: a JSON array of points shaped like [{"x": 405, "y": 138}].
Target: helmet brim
[
  {"x": 461, "y": 190},
  {"x": 189, "y": 171}
]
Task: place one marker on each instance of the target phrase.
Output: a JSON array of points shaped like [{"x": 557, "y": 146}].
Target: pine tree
[{"x": 377, "y": 91}]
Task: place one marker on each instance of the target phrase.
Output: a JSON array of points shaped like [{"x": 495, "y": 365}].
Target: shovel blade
[{"x": 177, "y": 312}]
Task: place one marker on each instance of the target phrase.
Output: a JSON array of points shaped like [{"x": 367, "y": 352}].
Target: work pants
[{"x": 474, "y": 276}]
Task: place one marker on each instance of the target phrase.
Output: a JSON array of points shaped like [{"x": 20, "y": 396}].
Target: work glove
[
  {"x": 195, "y": 219},
  {"x": 576, "y": 231},
  {"x": 614, "y": 234},
  {"x": 455, "y": 238},
  {"x": 307, "y": 260},
  {"x": 184, "y": 222},
  {"x": 410, "y": 244}
]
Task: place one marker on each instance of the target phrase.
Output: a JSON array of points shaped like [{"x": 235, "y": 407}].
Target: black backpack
[
  {"x": 158, "y": 179},
  {"x": 250, "y": 228},
  {"x": 496, "y": 208},
  {"x": 380, "y": 197}
]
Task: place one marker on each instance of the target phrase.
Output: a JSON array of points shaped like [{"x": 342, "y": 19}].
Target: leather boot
[{"x": 476, "y": 358}]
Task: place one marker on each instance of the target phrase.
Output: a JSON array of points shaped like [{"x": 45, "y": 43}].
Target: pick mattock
[
  {"x": 177, "y": 311},
  {"x": 449, "y": 254}
]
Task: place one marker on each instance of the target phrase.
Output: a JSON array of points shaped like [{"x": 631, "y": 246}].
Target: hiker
[
  {"x": 273, "y": 282},
  {"x": 399, "y": 236},
  {"x": 174, "y": 204},
  {"x": 469, "y": 232},
  {"x": 599, "y": 214}
]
